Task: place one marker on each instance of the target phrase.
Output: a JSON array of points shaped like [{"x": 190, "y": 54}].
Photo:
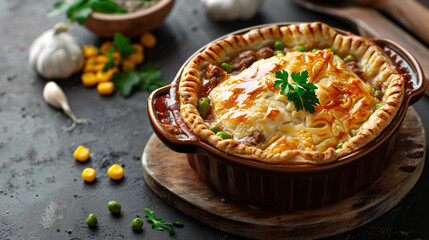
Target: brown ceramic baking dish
[{"x": 290, "y": 187}]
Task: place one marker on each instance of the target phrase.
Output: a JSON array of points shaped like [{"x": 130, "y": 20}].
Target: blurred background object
[{"x": 231, "y": 9}]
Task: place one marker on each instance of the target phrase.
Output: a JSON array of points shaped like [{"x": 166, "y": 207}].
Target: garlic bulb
[
  {"x": 231, "y": 9},
  {"x": 56, "y": 54},
  {"x": 53, "y": 95}
]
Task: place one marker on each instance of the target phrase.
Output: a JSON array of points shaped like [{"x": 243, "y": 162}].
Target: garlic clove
[{"x": 54, "y": 95}]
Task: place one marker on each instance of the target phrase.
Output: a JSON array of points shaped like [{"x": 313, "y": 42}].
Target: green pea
[
  {"x": 279, "y": 45},
  {"x": 215, "y": 129},
  {"x": 278, "y": 52},
  {"x": 137, "y": 224},
  {"x": 314, "y": 50},
  {"x": 340, "y": 145},
  {"x": 92, "y": 220},
  {"x": 114, "y": 207},
  {"x": 223, "y": 135},
  {"x": 204, "y": 106},
  {"x": 378, "y": 94},
  {"x": 350, "y": 58},
  {"x": 378, "y": 106},
  {"x": 300, "y": 48},
  {"x": 225, "y": 66},
  {"x": 374, "y": 88}
]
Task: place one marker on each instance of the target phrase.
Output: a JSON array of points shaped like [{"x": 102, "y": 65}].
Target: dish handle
[
  {"x": 408, "y": 65},
  {"x": 185, "y": 142}
]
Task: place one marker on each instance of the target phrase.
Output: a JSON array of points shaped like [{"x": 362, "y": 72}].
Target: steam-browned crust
[{"x": 311, "y": 35}]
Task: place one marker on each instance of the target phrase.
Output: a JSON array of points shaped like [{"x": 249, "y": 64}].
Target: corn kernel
[
  {"x": 115, "y": 172},
  {"x": 128, "y": 65},
  {"x": 88, "y": 79},
  {"x": 117, "y": 56},
  {"x": 99, "y": 66},
  {"x": 105, "y": 88},
  {"x": 148, "y": 40},
  {"x": 90, "y": 51},
  {"x": 105, "y": 47},
  {"x": 138, "y": 47},
  {"x": 91, "y": 60},
  {"x": 81, "y": 154},
  {"x": 88, "y": 68},
  {"x": 103, "y": 76},
  {"x": 88, "y": 174},
  {"x": 101, "y": 59},
  {"x": 136, "y": 57}
]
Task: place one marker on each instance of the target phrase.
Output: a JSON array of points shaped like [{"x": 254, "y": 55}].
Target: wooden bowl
[
  {"x": 129, "y": 24},
  {"x": 292, "y": 187}
]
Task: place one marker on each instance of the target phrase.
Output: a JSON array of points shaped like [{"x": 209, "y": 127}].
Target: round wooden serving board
[{"x": 168, "y": 174}]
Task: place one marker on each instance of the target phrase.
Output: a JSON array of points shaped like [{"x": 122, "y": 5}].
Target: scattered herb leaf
[
  {"x": 302, "y": 93},
  {"x": 149, "y": 79},
  {"x": 111, "y": 62},
  {"x": 159, "y": 224},
  {"x": 123, "y": 44},
  {"x": 125, "y": 82},
  {"x": 79, "y": 10}
]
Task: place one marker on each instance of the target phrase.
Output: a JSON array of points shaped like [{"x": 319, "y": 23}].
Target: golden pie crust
[{"x": 347, "y": 111}]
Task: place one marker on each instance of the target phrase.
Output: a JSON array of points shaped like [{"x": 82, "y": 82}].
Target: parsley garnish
[
  {"x": 159, "y": 224},
  {"x": 79, "y": 10},
  {"x": 147, "y": 79},
  {"x": 111, "y": 62},
  {"x": 123, "y": 44},
  {"x": 302, "y": 94}
]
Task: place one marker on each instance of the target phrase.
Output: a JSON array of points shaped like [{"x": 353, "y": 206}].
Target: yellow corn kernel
[
  {"x": 90, "y": 51},
  {"x": 138, "y": 47},
  {"x": 99, "y": 66},
  {"x": 113, "y": 70},
  {"x": 103, "y": 76},
  {"x": 91, "y": 60},
  {"x": 101, "y": 59},
  {"x": 115, "y": 172},
  {"x": 81, "y": 153},
  {"x": 105, "y": 88},
  {"x": 117, "y": 56},
  {"x": 148, "y": 40},
  {"x": 128, "y": 65},
  {"x": 136, "y": 57},
  {"x": 88, "y": 68},
  {"x": 88, "y": 79},
  {"x": 88, "y": 174},
  {"x": 105, "y": 47}
]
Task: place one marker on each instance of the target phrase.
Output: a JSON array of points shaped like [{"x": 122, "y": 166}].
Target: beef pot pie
[{"x": 339, "y": 93}]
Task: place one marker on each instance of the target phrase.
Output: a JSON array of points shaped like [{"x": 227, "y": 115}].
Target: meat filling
[
  {"x": 243, "y": 60},
  {"x": 213, "y": 75}
]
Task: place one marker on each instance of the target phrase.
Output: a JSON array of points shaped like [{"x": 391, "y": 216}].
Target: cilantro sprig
[
  {"x": 149, "y": 79},
  {"x": 111, "y": 60},
  {"x": 302, "y": 93},
  {"x": 159, "y": 224},
  {"x": 79, "y": 10}
]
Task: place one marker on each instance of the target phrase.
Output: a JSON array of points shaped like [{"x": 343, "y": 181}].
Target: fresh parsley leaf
[
  {"x": 159, "y": 224},
  {"x": 123, "y": 44},
  {"x": 107, "y": 7},
  {"x": 79, "y": 10},
  {"x": 150, "y": 78},
  {"x": 59, "y": 7},
  {"x": 125, "y": 82},
  {"x": 111, "y": 62},
  {"x": 302, "y": 93}
]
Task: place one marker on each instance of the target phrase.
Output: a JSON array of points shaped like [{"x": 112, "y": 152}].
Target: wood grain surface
[{"x": 168, "y": 174}]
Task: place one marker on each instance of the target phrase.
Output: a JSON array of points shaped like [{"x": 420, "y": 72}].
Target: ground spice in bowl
[{"x": 135, "y": 5}]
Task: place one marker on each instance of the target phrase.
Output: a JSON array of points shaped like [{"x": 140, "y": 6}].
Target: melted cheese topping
[{"x": 247, "y": 102}]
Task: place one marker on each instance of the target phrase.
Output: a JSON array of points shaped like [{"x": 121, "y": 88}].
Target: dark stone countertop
[{"x": 42, "y": 194}]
